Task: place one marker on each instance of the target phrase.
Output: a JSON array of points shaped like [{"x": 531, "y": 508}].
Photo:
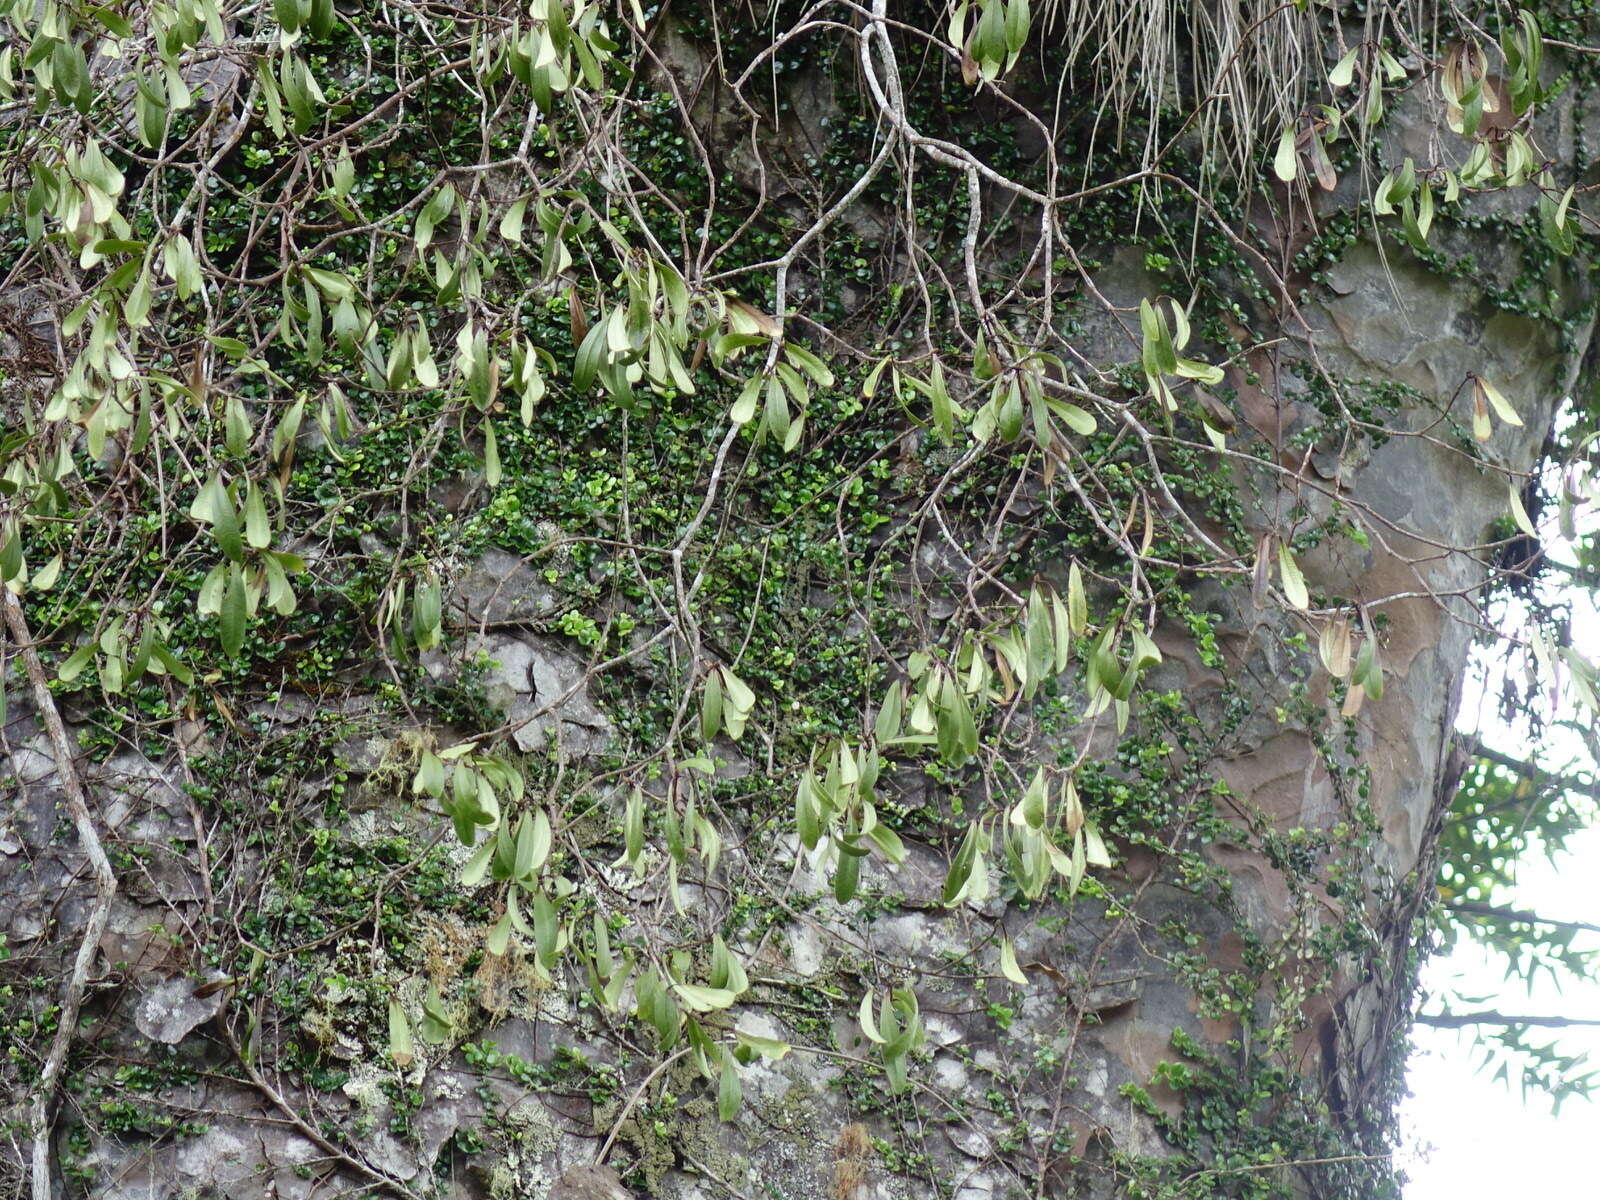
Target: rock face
[
  {"x": 1271, "y": 925},
  {"x": 501, "y": 589},
  {"x": 1103, "y": 991}
]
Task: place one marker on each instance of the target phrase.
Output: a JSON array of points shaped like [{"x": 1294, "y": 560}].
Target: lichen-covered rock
[
  {"x": 171, "y": 1010},
  {"x": 502, "y": 589}
]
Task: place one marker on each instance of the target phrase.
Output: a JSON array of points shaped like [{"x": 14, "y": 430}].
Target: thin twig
[
  {"x": 1458, "y": 1020},
  {"x": 1520, "y": 916}
]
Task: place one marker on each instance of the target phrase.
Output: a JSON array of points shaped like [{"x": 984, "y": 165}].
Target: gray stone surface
[
  {"x": 170, "y": 1010},
  {"x": 502, "y": 589}
]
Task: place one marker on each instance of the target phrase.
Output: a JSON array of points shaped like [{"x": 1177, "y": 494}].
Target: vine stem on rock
[
  {"x": 105, "y": 889},
  {"x": 307, "y": 1130}
]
